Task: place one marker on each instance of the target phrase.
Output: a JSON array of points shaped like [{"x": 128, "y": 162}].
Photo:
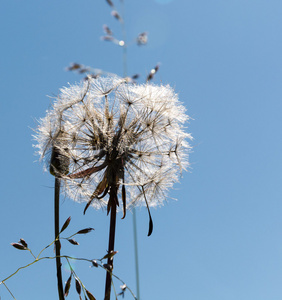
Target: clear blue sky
[{"x": 222, "y": 239}]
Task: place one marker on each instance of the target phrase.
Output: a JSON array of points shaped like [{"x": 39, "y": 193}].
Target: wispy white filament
[{"x": 108, "y": 126}]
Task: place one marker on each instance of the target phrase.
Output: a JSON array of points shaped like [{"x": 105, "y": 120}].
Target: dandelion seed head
[{"x": 112, "y": 132}]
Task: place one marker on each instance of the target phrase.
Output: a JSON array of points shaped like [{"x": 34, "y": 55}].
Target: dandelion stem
[
  {"x": 113, "y": 206},
  {"x": 57, "y": 241}
]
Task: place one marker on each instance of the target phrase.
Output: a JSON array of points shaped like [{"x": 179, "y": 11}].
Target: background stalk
[
  {"x": 133, "y": 210},
  {"x": 57, "y": 243},
  {"x": 136, "y": 253}
]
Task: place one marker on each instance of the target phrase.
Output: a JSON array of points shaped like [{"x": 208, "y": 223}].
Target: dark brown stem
[
  {"x": 57, "y": 243},
  {"x": 113, "y": 203}
]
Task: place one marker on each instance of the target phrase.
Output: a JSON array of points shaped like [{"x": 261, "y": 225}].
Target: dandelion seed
[
  {"x": 107, "y": 38},
  {"x": 84, "y": 70},
  {"x": 116, "y": 15},
  {"x": 110, "y": 2},
  {"x": 117, "y": 134},
  {"x": 153, "y": 72},
  {"x": 142, "y": 38},
  {"x": 89, "y": 76},
  {"x": 74, "y": 66},
  {"x": 107, "y": 30}
]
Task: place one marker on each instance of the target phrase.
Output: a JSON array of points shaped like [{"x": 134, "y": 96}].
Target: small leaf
[
  {"x": 90, "y": 296},
  {"x": 102, "y": 187},
  {"x": 18, "y": 246},
  {"x": 87, "y": 205},
  {"x": 67, "y": 286},
  {"x": 95, "y": 264},
  {"x": 87, "y": 172},
  {"x": 66, "y": 224},
  {"x": 72, "y": 241},
  {"x": 104, "y": 193},
  {"x": 110, "y": 255},
  {"x": 86, "y": 230},
  {"x": 77, "y": 286},
  {"x": 148, "y": 209},
  {"x": 150, "y": 225},
  {"x": 23, "y": 242}
]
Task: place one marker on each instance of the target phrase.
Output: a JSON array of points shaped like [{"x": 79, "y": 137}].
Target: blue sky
[{"x": 222, "y": 238}]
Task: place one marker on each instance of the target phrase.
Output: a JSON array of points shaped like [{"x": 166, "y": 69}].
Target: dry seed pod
[
  {"x": 91, "y": 76},
  {"x": 84, "y": 70},
  {"x": 89, "y": 295},
  {"x": 67, "y": 286},
  {"x": 18, "y": 246},
  {"x": 66, "y": 224},
  {"x": 110, "y": 255},
  {"x": 107, "y": 30},
  {"x": 116, "y": 15},
  {"x": 72, "y": 241},
  {"x": 86, "y": 230},
  {"x": 108, "y": 267},
  {"x": 74, "y": 66},
  {"x": 95, "y": 264},
  {"x": 107, "y": 38},
  {"x": 23, "y": 242},
  {"x": 110, "y": 3},
  {"x": 152, "y": 73},
  {"x": 77, "y": 286},
  {"x": 59, "y": 162}
]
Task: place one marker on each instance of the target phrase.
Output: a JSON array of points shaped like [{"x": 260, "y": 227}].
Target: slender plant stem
[
  {"x": 66, "y": 257},
  {"x": 124, "y": 48},
  {"x": 8, "y": 290},
  {"x": 134, "y": 212},
  {"x": 113, "y": 201},
  {"x": 136, "y": 253},
  {"x": 57, "y": 241}
]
